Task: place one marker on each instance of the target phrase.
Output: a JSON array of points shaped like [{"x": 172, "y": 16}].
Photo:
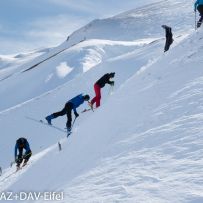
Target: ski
[
  {"x": 21, "y": 167},
  {"x": 46, "y": 124},
  {"x": 68, "y": 133},
  {"x": 14, "y": 172},
  {"x": 8, "y": 176},
  {"x": 85, "y": 110}
]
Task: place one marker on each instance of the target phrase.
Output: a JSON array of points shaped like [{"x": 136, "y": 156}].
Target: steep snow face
[
  {"x": 143, "y": 145},
  {"x": 124, "y": 58}
]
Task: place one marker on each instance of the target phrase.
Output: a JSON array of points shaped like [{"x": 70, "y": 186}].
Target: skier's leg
[
  {"x": 20, "y": 157},
  {"x": 167, "y": 44},
  {"x": 56, "y": 114},
  {"x": 94, "y": 99},
  {"x": 170, "y": 42},
  {"x": 200, "y": 9},
  {"x": 201, "y": 18},
  {"x": 27, "y": 157},
  {"x": 98, "y": 95},
  {"x": 69, "y": 116},
  {"x": 60, "y": 113}
]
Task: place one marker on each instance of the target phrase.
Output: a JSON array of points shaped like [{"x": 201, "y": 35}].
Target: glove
[
  {"x": 76, "y": 114},
  {"x": 112, "y": 83}
]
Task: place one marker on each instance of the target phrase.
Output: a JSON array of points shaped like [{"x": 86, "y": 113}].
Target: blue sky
[{"x": 33, "y": 24}]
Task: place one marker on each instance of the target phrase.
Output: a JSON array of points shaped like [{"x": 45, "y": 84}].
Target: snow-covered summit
[{"x": 141, "y": 22}]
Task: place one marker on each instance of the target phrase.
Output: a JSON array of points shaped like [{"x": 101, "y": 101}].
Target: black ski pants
[
  {"x": 26, "y": 156},
  {"x": 169, "y": 38},
  {"x": 169, "y": 41},
  {"x": 66, "y": 110},
  {"x": 200, "y": 9}
]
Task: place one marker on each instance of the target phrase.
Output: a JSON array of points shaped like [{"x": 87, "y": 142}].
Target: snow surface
[{"x": 144, "y": 144}]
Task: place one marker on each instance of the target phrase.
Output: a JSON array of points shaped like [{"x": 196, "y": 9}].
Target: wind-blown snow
[
  {"x": 63, "y": 70},
  {"x": 144, "y": 144}
]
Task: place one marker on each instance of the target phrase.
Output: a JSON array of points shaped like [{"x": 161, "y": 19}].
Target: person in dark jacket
[
  {"x": 199, "y": 6},
  {"x": 21, "y": 144},
  {"x": 69, "y": 106},
  {"x": 105, "y": 79},
  {"x": 169, "y": 37}
]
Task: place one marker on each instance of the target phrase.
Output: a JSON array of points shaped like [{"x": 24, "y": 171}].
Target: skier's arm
[
  {"x": 110, "y": 82},
  {"x": 195, "y": 5},
  {"x": 75, "y": 112},
  {"x": 27, "y": 147}
]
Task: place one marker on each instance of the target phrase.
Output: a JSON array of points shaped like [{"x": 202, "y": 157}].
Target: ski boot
[
  {"x": 17, "y": 168},
  {"x": 49, "y": 118},
  {"x": 199, "y": 24},
  {"x": 68, "y": 131}
]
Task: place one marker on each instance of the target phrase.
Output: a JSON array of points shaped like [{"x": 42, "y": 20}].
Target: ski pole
[
  {"x": 110, "y": 89},
  {"x": 85, "y": 110},
  {"x": 195, "y": 19},
  {"x": 73, "y": 123}
]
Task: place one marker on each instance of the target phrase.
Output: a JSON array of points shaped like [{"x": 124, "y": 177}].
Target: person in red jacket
[{"x": 105, "y": 79}]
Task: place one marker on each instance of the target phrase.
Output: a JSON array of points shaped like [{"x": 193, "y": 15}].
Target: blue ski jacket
[
  {"x": 26, "y": 147},
  {"x": 197, "y": 3},
  {"x": 77, "y": 101}
]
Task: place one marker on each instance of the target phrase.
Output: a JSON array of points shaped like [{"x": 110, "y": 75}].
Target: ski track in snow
[
  {"x": 162, "y": 164},
  {"x": 10, "y": 176}
]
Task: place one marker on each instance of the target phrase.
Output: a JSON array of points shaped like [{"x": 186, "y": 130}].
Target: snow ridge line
[{"x": 55, "y": 54}]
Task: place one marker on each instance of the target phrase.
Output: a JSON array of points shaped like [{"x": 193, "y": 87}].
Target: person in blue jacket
[
  {"x": 69, "y": 106},
  {"x": 21, "y": 144},
  {"x": 199, "y": 6}
]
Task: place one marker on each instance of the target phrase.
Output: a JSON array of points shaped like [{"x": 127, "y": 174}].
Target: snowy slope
[
  {"x": 143, "y": 144},
  {"x": 74, "y": 70},
  {"x": 58, "y": 70},
  {"x": 10, "y": 64},
  {"x": 148, "y": 152},
  {"x": 72, "y": 53},
  {"x": 153, "y": 157},
  {"x": 37, "y": 106}
]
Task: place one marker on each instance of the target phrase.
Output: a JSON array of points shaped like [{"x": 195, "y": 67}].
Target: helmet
[
  {"x": 86, "y": 97},
  {"x": 21, "y": 141},
  {"x": 112, "y": 74}
]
